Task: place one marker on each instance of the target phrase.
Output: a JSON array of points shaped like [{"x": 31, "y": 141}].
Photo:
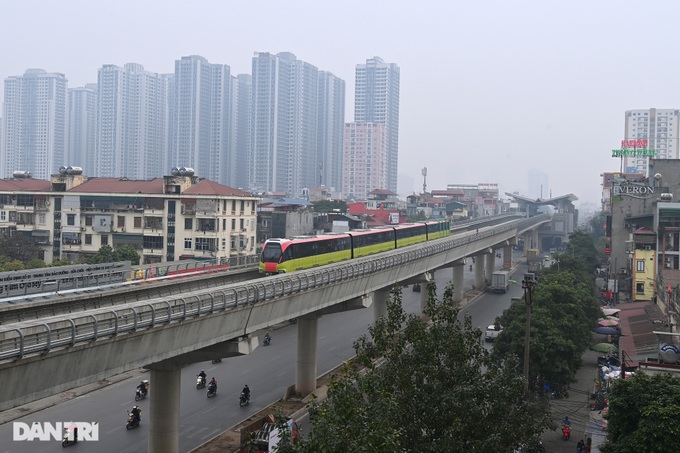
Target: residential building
[
  {"x": 284, "y": 124},
  {"x": 376, "y": 100},
  {"x": 330, "y": 131},
  {"x": 34, "y": 112},
  {"x": 237, "y": 171},
  {"x": 364, "y": 159},
  {"x": 82, "y": 128},
  {"x": 132, "y": 122},
  {"x": 202, "y": 118},
  {"x": 165, "y": 219},
  {"x": 659, "y": 128}
]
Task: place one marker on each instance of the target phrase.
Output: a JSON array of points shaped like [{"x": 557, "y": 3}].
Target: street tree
[
  {"x": 126, "y": 253},
  {"x": 19, "y": 247},
  {"x": 643, "y": 414},
  {"x": 419, "y": 385},
  {"x": 564, "y": 311}
]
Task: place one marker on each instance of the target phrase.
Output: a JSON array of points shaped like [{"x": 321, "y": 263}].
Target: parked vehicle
[{"x": 500, "y": 281}]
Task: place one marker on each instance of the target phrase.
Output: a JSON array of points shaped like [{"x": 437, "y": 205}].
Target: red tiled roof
[
  {"x": 117, "y": 185},
  {"x": 25, "y": 184},
  {"x": 447, "y": 193},
  {"x": 637, "y": 325},
  {"x": 206, "y": 187},
  {"x": 381, "y": 192}
]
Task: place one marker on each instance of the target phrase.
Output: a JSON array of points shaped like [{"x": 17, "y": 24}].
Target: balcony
[{"x": 155, "y": 252}]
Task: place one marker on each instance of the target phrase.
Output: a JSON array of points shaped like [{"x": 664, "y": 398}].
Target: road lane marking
[
  {"x": 113, "y": 430},
  {"x": 127, "y": 402},
  {"x": 212, "y": 434}
]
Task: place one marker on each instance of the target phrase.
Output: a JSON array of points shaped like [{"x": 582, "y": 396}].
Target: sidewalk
[{"x": 584, "y": 422}]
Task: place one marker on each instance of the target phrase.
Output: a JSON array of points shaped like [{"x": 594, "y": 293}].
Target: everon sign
[{"x": 630, "y": 189}]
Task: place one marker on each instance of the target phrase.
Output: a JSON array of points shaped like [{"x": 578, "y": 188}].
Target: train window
[{"x": 271, "y": 253}]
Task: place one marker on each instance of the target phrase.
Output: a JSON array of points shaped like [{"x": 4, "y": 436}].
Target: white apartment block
[
  {"x": 82, "y": 128},
  {"x": 330, "y": 132},
  {"x": 660, "y": 127},
  {"x": 376, "y": 100},
  {"x": 364, "y": 159},
  {"x": 34, "y": 113},
  {"x": 165, "y": 219},
  {"x": 132, "y": 122}
]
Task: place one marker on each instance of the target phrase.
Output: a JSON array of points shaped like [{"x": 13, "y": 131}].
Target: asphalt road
[{"x": 268, "y": 371}]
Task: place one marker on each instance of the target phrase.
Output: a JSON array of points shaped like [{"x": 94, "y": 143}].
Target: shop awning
[{"x": 40, "y": 233}]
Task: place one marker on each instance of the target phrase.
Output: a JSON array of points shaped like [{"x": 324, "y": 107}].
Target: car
[{"x": 492, "y": 332}]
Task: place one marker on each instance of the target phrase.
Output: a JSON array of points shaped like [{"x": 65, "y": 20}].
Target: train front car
[{"x": 271, "y": 255}]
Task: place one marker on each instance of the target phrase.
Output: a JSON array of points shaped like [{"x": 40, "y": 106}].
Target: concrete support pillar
[
  {"x": 534, "y": 239},
  {"x": 479, "y": 272},
  {"x": 380, "y": 303},
  {"x": 507, "y": 257},
  {"x": 490, "y": 262},
  {"x": 424, "y": 294},
  {"x": 527, "y": 240},
  {"x": 458, "y": 283},
  {"x": 163, "y": 416},
  {"x": 305, "y": 373}
]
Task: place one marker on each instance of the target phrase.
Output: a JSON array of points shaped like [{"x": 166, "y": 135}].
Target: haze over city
[{"x": 488, "y": 90}]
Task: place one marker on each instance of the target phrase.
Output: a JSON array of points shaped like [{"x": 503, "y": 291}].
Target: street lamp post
[{"x": 528, "y": 285}]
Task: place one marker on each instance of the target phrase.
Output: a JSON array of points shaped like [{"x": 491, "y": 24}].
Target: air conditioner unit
[{"x": 648, "y": 247}]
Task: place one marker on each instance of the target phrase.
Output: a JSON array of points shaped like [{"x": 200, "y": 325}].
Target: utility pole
[{"x": 528, "y": 285}]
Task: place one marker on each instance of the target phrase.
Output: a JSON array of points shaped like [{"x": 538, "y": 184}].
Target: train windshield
[{"x": 271, "y": 253}]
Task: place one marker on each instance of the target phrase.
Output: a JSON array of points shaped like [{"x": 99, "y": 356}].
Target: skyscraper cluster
[{"x": 280, "y": 129}]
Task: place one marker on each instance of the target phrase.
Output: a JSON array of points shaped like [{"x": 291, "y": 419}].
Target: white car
[{"x": 492, "y": 332}]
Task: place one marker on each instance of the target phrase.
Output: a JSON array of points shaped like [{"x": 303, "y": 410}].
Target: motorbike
[
  {"x": 69, "y": 438},
  {"x": 132, "y": 422},
  {"x": 267, "y": 340},
  {"x": 566, "y": 432},
  {"x": 216, "y": 360},
  {"x": 140, "y": 393},
  {"x": 200, "y": 382},
  {"x": 243, "y": 399},
  {"x": 212, "y": 390}
]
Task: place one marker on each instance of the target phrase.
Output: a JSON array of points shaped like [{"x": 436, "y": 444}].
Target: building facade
[
  {"x": 284, "y": 124},
  {"x": 35, "y": 123},
  {"x": 132, "y": 122},
  {"x": 376, "y": 100},
  {"x": 659, "y": 127},
  {"x": 82, "y": 128},
  {"x": 202, "y": 117},
  {"x": 330, "y": 131},
  {"x": 364, "y": 159},
  {"x": 165, "y": 219}
]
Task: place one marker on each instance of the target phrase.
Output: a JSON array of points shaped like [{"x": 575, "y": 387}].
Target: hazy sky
[{"x": 489, "y": 89}]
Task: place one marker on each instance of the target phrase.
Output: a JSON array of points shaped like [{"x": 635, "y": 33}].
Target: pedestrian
[
  {"x": 589, "y": 443},
  {"x": 580, "y": 446}
]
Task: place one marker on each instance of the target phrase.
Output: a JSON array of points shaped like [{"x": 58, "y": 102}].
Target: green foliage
[
  {"x": 12, "y": 265},
  {"x": 19, "y": 247},
  {"x": 35, "y": 263},
  {"x": 107, "y": 254},
  {"x": 425, "y": 386},
  {"x": 419, "y": 217},
  {"x": 643, "y": 414},
  {"x": 330, "y": 205},
  {"x": 126, "y": 253},
  {"x": 57, "y": 263},
  {"x": 564, "y": 311}
]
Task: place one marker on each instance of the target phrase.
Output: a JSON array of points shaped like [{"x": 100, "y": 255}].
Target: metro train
[{"x": 289, "y": 255}]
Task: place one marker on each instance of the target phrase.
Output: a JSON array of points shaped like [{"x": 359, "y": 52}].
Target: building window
[
  {"x": 187, "y": 243},
  {"x": 105, "y": 239},
  {"x": 121, "y": 221},
  {"x": 70, "y": 219},
  {"x": 88, "y": 220},
  {"x": 188, "y": 224},
  {"x": 88, "y": 239},
  {"x": 205, "y": 244},
  {"x": 224, "y": 244},
  {"x": 233, "y": 224},
  {"x": 3, "y": 216},
  {"x": 41, "y": 219},
  {"x": 640, "y": 265},
  {"x": 640, "y": 288}
]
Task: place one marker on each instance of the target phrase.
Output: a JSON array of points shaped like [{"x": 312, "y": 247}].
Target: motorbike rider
[
  {"x": 142, "y": 388},
  {"x": 246, "y": 392},
  {"x": 202, "y": 375},
  {"x": 213, "y": 385},
  {"x": 566, "y": 421},
  {"x": 267, "y": 338},
  {"x": 68, "y": 429},
  {"x": 136, "y": 411}
]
